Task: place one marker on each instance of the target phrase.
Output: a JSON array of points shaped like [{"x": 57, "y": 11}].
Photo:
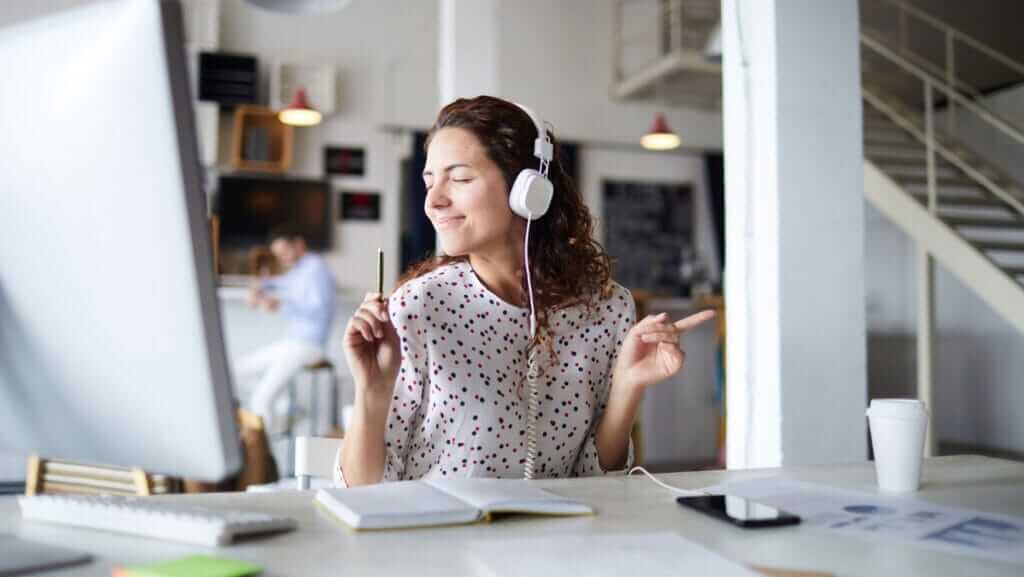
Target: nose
[{"x": 437, "y": 195}]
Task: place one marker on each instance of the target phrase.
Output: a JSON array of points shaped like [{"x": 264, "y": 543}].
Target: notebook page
[
  {"x": 509, "y": 496},
  {"x": 398, "y": 504}
]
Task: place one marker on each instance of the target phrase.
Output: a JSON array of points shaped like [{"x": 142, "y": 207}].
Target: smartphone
[{"x": 739, "y": 511}]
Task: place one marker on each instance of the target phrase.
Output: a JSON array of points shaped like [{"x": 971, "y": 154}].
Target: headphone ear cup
[{"x": 531, "y": 194}]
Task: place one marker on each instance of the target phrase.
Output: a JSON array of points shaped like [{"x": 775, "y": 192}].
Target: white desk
[{"x": 633, "y": 504}]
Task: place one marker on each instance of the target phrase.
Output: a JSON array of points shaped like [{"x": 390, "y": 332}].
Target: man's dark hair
[{"x": 287, "y": 231}]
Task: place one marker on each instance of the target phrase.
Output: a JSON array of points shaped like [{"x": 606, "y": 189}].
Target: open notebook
[{"x": 441, "y": 502}]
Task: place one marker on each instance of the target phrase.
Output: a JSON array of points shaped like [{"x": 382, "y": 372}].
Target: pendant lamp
[
  {"x": 660, "y": 137},
  {"x": 299, "y": 112}
]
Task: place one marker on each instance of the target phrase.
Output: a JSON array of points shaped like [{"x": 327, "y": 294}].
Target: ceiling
[
  {"x": 995, "y": 23},
  {"x": 647, "y": 39}
]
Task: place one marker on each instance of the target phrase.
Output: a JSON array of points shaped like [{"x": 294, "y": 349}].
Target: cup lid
[{"x": 897, "y": 408}]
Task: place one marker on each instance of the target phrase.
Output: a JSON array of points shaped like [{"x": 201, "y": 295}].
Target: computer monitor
[{"x": 110, "y": 338}]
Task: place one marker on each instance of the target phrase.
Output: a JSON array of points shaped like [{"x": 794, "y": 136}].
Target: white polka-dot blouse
[{"x": 460, "y": 408}]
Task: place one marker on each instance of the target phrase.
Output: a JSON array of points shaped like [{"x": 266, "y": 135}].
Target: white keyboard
[{"x": 144, "y": 518}]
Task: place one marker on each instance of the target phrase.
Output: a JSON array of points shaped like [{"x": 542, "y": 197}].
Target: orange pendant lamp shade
[
  {"x": 660, "y": 137},
  {"x": 299, "y": 112}
]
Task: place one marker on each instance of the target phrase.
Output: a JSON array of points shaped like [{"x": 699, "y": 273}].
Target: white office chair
[{"x": 315, "y": 457}]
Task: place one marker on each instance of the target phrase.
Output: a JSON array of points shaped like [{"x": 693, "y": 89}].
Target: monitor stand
[{"x": 20, "y": 556}]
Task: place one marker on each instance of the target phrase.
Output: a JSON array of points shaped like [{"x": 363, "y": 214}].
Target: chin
[
  {"x": 454, "y": 248},
  {"x": 451, "y": 243}
]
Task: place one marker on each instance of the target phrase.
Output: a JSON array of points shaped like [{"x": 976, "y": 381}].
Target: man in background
[{"x": 305, "y": 295}]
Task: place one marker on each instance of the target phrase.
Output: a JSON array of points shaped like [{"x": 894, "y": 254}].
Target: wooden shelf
[{"x": 257, "y": 130}]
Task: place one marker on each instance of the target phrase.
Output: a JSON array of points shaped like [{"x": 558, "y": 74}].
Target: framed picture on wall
[
  {"x": 359, "y": 206},
  {"x": 344, "y": 161}
]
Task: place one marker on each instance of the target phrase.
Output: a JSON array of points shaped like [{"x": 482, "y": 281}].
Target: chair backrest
[
  {"x": 258, "y": 465},
  {"x": 315, "y": 458}
]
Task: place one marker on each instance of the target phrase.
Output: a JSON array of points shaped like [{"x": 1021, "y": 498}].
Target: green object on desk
[{"x": 195, "y": 566}]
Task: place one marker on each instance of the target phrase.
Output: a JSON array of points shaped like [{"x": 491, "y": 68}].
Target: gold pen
[{"x": 380, "y": 274}]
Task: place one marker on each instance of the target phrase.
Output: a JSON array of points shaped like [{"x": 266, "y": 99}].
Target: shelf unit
[{"x": 252, "y": 122}]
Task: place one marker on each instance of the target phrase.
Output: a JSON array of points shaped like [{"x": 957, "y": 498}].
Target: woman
[{"x": 440, "y": 368}]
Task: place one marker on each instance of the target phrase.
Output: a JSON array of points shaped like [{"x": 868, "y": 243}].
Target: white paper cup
[{"x": 897, "y": 436}]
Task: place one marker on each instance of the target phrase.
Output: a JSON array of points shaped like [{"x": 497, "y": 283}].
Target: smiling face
[{"x": 467, "y": 196}]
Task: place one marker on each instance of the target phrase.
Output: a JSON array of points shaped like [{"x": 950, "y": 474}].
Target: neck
[{"x": 502, "y": 272}]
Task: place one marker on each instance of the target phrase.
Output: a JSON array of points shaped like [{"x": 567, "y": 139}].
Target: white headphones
[{"x": 532, "y": 191}]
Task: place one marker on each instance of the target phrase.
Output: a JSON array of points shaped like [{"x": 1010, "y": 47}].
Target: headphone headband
[
  {"x": 531, "y": 192},
  {"x": 542, "y": 147}
]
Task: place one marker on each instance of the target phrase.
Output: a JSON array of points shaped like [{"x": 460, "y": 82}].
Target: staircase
[
  {"x": 959, "y": 208},
  {"x": 895, "y": 147}
]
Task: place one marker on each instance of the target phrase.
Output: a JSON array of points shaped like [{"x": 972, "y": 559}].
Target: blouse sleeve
[
  {"x": 624, "y": 310},
  {"x": 409, "y": 387}
]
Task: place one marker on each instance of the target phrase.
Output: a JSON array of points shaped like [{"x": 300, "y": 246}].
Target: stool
[{"x": 314, "y": 373}]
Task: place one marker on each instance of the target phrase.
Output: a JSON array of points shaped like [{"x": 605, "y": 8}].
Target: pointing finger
[{"x": 685, "y": 324}]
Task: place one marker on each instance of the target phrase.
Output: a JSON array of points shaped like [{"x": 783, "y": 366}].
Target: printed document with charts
[{"x": 406, "y": 504}]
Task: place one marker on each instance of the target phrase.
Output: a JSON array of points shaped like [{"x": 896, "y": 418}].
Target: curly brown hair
[{"x": 567, "y": 265}]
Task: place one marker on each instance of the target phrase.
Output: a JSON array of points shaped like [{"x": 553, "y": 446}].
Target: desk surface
[{"x": 630, "y": 505}]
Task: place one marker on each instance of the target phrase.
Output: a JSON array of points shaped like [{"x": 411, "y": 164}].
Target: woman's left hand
[{"x": 651, "y": 352}]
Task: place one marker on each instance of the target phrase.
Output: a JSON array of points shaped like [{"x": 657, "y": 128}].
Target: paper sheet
[
  {"x": 649, "y": 554},
  {"x": 904, "y": 518}
]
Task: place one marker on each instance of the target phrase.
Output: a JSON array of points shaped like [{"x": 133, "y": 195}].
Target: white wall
[
  {"x": 384, "y": 54},
  {"x": 13, "y": 12},
  {"x": 556, "y": 57}
]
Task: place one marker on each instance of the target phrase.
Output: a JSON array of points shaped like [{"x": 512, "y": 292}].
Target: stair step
[
  {"x": 878, "y": 122},
  {"x": 999, "y": 245},
  {"x": 1014, "y": 270},
  {"x": 890, "y": 134},
  {"x": 939, "y": 180},
  {"x": 904, "y": 144},
  {"x": 973, "y": 222},
  {"x": 891, "y": 157},
  {"x": 919, "y": 169},
  {"x": 960, "y": 201},
  {"x": 884, "y": 162}
]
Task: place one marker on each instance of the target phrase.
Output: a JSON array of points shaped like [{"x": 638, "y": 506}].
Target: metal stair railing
[
  {"x": 951, "y": 36},
  {"x": 938, "y": 237},
  {"x": 928, "y": 135}
]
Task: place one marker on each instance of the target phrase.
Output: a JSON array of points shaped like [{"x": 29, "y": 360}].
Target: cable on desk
[{"x": 685, "y": 492}]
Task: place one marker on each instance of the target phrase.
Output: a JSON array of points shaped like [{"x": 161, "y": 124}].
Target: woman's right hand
[{"x": 373, "y": 352}]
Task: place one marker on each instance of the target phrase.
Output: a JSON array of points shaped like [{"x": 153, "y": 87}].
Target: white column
[
  {"x": 468, "y": 49},
  {"x": 796, "y": 389}
]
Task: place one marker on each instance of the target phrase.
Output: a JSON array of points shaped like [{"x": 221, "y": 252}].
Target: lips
[{"x": 449, "y": 221}]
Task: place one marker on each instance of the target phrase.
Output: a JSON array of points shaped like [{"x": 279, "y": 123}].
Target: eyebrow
[{"x": 448, "y": 168}]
